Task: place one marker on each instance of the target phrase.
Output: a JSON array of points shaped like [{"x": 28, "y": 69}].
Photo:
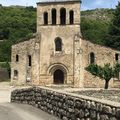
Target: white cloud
[{"x": 84, "y": 7}]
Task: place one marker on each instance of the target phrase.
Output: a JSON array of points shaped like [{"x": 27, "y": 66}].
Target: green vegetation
[
  {"x": 94, "y": 30},
  {"x": 106, "y": 72},
  {"x": 95, "y": 25},
  {"x": 15, "y": 24},
  {"x": 4, "y": 65},
  {"x": 113, "y": 38}
]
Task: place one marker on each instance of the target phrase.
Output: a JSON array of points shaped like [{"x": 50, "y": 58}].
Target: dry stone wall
[{"x": 66, "y": 106}]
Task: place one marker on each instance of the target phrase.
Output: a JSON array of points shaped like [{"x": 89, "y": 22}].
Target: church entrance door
[{"x": 58, "y": 77}]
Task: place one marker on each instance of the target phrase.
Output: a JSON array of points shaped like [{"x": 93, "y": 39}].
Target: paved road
[{"x": 13, "y": 111}]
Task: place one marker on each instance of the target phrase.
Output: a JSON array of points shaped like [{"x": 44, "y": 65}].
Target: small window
[
  {"x": 71, "y": 15},
  {"x": 45, "y": 15},
  {"x": 116, "y": 56},
  {"x": 53, "y": 16},
  {"x": 17, "y": 58},
  {"x": 92, "y": 58},
  {"x": 58, "y": 44},
  {"x": 63, "y": 16},
  {"x": 15, "y": 73},
  {"x": 29, "y": 60}
]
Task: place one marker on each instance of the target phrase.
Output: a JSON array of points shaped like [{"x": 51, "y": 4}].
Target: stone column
[
  {"x": 67, "y": 16},
  {"x": 49, "y": 17},
  {"x": 36, "y": 61},
  {"x": 78, "y": 69},
  {"x": 58, "y": 16}
]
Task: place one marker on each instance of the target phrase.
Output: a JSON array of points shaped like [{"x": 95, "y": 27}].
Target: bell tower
[
  {"x": 58, "y": 22},
  {"x": 58, "y": 13}
]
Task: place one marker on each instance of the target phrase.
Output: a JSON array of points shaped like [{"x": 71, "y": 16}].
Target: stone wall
[
  {"x": 71, "y": 60},
  {"x": 103, "y": 55},
  {"x": 67, "y": 106},
  {"x": 23, "y": 50}
]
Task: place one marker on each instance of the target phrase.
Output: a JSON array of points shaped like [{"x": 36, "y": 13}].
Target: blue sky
[
  {"x": 86, "y": 4},
  {"x": 92, "y": 4}
]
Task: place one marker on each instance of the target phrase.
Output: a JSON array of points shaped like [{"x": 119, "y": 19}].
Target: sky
[{"x": 86, "y": 4}]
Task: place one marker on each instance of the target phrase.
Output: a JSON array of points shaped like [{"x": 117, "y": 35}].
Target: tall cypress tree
[{"x": 113, "y": 39}]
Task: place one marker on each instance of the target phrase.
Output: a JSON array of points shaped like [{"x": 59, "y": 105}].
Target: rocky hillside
[{"x": 98, "y": 14}]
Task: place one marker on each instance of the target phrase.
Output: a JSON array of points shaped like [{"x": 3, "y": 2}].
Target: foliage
[
  {"x": 116, "y": 69},
  {"x": 15, "y": 23},
  {"x": 106, "y": 72},
  {"x": 113, "y": 38},
  {"x": 95, "y": 25},
  {"x": 94, "y": 30}
]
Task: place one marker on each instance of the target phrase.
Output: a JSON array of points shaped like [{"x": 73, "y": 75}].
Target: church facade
[{"x": 57, "y": 54}]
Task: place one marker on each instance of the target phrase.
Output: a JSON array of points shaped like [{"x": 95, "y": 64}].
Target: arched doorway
[{"x": 58, "y": 77}]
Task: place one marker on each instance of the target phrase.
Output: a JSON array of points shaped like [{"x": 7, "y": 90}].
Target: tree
[
  {"x": 113, "y": 37},
  {"x": 94, "y": 30},
  {"x": 106, "y": 72},
  {"x": 16, "y": 24}
]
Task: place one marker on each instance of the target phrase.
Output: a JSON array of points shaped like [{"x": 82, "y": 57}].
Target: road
[{"x": 14, "y": 111}]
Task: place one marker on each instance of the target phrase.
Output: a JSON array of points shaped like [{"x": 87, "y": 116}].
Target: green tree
[
  {"x": 15, "y": 25},
  {"x": 106, "y": 72},
  {"x": 113, "y": 38},
  {"x": 94, "y": 30}
]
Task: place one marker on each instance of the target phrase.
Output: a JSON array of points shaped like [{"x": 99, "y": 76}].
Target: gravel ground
[{"x": 113, "y": 95}]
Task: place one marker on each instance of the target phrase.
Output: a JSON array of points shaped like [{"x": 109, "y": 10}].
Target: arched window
[
  {"x": 71, "y": 17},
  {"x": 45, "y": 15},
  {"x": 58, "y": 44},
  {"x": 17, "y": 58},
  {"x": 92, "y": 58},
  {"x": 54, "y": 16},
  {"x": 15, "y": 73},
  {"x": 62, "y": 16}
]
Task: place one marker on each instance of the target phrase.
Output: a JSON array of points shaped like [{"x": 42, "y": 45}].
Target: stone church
[{"x": 57, "y": 54}]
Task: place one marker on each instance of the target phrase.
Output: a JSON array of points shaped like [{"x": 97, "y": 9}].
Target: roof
[{"x": 58, "y": 2}]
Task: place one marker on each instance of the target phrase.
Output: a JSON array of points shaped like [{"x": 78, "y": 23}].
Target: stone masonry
[
  {"x": 57, "y": 54},
  {"x": 67, "y": 106}
]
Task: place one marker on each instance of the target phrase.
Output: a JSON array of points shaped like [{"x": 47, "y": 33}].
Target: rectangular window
[
  {"x": 116, "y": 56},
  {"x": 29, "y": 60},
  {"x": 17, "y": 58}
]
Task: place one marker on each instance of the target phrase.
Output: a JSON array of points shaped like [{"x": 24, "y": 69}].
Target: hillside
[
  {"x": 20, "y": 22},
  {"x": 98, "y": 14},
  {"x": 95, "y": 24},
  {"x": 15, "y": 23}
]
